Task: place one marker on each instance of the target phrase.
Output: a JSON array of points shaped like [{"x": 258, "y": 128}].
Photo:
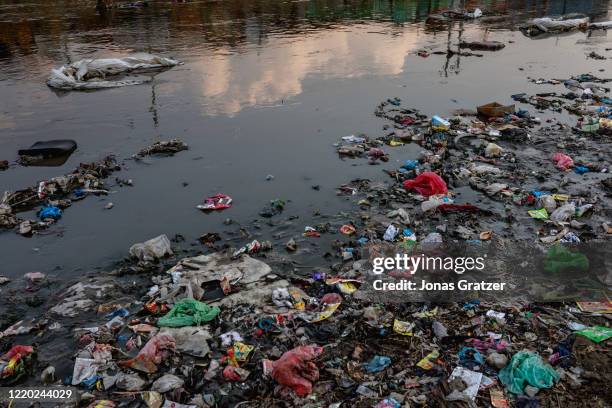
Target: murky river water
[{"x": 266, "y": 88}]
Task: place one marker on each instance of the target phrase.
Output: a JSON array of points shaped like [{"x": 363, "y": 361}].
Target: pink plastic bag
[
  {"x": 295, "y": 370},
  {"x": 426, "y": 184},
  {"x": 152, "y": 354},
  {"x": 563, "y": 161}
]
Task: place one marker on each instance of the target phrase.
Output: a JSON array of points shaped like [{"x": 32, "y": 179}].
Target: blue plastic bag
[
  {"x": 50, "y": 212},
  {"x": 378, "y": 363}
]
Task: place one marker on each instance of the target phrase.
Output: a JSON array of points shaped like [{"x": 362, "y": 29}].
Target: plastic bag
[
  {"x": 527, "y": 368},
  {"x": 563, "y": 213},
  {"x": 294, "y": 369},
  {"x": 93, "y": 73},
  {"x": 152, "y": 249},
  {"x": 390, "y": 233},
  {"x": 378, "y": 363},
  {"x": 188, "y": 312},
  {"x": 470, "y": 357},
  {"x": 548, "y": 203},
  {"x": 493, "y": 150},
  {"x": 427, "y": 184},
  {"x": 152, "y": 354},
  {"x": 563, "y": 161},
  {"x": 596, "y": 333},
  {"x": 540, "y": 214},
  {"x": 50, "y": 212},
  {"x": 167, "y": 382}
]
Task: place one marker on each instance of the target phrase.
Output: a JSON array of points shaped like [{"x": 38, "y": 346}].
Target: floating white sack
[{"x": 93, "y": 73}]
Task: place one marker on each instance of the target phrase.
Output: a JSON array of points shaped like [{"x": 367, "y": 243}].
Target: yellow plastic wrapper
[
  {"x": 242, "y": 350},
  {"x": 403, "y": 328},
  {"x": 429, "y": 313},
  {"x": 560, "y": 197},
  {"x": 325, "y": 314},
  {"x": 346, "y": 287},
  {"x": 426, "y": 363},
  {"x": 299, "y": 300}
]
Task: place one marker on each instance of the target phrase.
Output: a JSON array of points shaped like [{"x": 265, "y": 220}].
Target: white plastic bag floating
[{"x": 93, "y": 73}]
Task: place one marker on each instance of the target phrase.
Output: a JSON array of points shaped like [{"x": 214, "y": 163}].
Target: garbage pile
[
  {"x": 216, "y": 330},
  {"x": 54, "y": 195},
  {"x": 500, "y": 156}
]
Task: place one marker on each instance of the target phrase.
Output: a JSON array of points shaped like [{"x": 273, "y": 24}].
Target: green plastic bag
[
  {"x": 527, "y": 368},
  {"x": 559, "y": 258},
  {"x": 540, "y": 214},
  {"x": 188, "y": 312},
  {"x": 596, "y": 333}
]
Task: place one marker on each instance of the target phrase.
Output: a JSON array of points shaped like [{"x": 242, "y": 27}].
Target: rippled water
[{"x": 267, "y": 87}]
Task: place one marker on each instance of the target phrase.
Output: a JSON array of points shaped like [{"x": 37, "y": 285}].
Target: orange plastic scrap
[{"x": 152, "y": 354}]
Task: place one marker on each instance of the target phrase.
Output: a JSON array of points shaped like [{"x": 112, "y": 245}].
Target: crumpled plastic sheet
[
  {"x": 563, "y": 161},
  {"x": 427, "y": 184},
  {"x": 527, "y": 368},
  {"x": 188, "y": 312},
  {"x": 152, "y": 249},
  {"x": 295, "y": 369},
  {"x": 92, "y": 73},
  {"x": 563, "y": 23}
]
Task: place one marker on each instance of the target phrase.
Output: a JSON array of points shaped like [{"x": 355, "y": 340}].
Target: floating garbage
[
  {"x": 89, "y": 74},
  {"x": 482, "y": 45},
  {"x": 215, "y": 203},
  {"x": 544, "y": 25}
]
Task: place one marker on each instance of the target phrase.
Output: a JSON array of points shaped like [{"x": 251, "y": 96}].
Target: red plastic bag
[
  {"x": 152, "y": 354},
  {"x": 563, "y": 161},
  {"x": 295, "y": 370},
  {"x": 427, "y": 184}
]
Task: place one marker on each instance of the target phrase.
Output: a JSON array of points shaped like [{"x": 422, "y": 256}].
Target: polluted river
[{"x": 233, "y": 172}]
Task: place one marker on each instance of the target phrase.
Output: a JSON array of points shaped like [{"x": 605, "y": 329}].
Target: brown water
[{"x": 267, "y": 87}]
